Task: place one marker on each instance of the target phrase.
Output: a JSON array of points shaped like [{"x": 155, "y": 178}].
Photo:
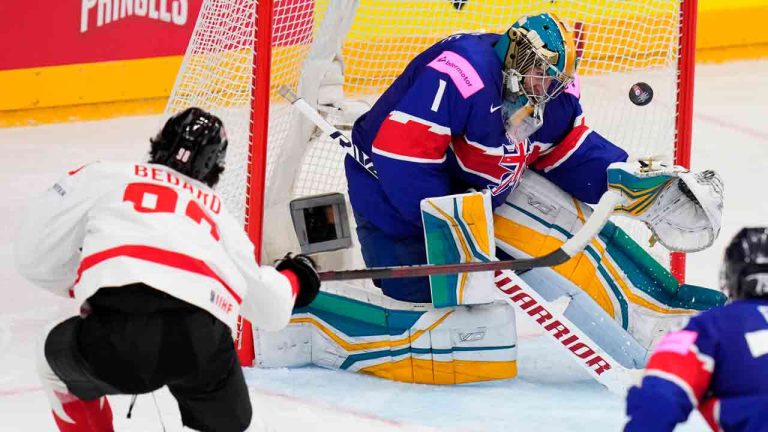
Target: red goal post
[
  {"x": 346, "y": 52},
  {"x": 686, "y": 67}
]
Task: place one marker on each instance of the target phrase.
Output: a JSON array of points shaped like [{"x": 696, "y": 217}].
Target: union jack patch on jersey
[{"x": 513, "y": 162}]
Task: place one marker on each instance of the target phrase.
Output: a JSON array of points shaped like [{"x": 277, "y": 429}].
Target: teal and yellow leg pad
[
  {"x": 618, "y": 275},
  {"x": 459, "y": 229},
  {"x": 357, "y": 329}
]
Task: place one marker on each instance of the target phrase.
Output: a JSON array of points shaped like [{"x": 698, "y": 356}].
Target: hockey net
[{"x": 346, "y": 52}]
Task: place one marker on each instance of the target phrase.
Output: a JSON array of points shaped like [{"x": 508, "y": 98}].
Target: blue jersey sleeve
[{"x": 659, "y": 405}]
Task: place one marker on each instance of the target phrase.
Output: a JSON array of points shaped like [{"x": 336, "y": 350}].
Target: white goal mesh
[{"x": 621, "y": 42}]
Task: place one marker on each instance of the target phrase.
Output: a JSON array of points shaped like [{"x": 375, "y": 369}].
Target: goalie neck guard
[
  {"x": 192, "y": 142},
  {"x": 744, "y": 273}
]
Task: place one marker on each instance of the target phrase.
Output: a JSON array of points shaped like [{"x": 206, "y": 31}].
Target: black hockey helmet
[
  {"x": 744, "y": 273},
  {"x": 192, "y": 142}
]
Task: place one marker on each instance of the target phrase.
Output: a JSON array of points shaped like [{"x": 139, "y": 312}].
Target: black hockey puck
[{"x": 640, "y": 94}]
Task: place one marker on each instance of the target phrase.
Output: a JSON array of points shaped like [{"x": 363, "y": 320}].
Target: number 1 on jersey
[{"x": 438, "y": 96}]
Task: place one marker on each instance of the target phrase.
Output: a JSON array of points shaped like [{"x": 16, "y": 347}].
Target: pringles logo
[{"x": 109, "y": 11}]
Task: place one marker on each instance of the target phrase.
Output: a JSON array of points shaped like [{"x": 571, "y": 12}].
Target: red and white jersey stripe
[
  {"x": 560, "y": 153},
  {"x": 400, "y": 131}
]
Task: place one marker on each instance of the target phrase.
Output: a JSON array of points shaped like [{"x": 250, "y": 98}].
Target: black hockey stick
[
  {"x": 551, "y": 259},
  {"x": 571, "y": 247}
]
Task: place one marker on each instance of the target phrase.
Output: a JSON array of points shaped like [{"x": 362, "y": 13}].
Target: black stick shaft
[{"x": 551, "y": 259}]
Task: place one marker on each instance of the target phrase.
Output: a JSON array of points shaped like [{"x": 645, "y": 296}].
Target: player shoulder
[
  {"x": 719, "y": 322},
  {"x": 742, "y": 308},
  {"x": 565, "y": 103},
  {"x": 477, "y": 49},
  {"x": 468, "y": 54},
  {"x": 108, "y": 171}
]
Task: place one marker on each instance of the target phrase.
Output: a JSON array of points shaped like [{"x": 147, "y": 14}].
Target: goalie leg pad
[
  {"x": 618, "y": 275},
  {"x": 356, "y": 329},
  {"x": 459, "y": 229}
]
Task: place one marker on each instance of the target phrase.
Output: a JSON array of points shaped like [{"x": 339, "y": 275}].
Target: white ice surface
[{"x": 551, "y": 393}]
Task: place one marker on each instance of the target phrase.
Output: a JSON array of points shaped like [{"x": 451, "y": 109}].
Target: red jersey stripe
[
  {"x": 157, "y": 256},
  {"x": 688, "y": 367},
  {"x": 294, "y": 280},
  {"x": 478, "y": 161},
  {"x": 412, "y": 138},
  {"x": 710, "y": 410}
]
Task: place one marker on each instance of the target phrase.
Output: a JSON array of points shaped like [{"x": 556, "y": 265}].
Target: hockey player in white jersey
[{"x": 162, "y": 271}]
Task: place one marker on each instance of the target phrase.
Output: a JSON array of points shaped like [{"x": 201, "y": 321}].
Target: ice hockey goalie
[{"x": 614, "y": 291}]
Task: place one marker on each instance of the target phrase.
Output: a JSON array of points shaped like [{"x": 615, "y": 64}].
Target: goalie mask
[
  {"x": 539, "y": 61},
  {"x": 192, "y": 142},
  {"x": 744, "y": 273}
]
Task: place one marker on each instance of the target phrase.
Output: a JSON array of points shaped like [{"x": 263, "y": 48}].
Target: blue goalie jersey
[
  {"x": 438, "y": 130},
  {"x": 718, "y": 363}
]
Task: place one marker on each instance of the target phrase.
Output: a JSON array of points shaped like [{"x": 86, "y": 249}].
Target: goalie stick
[
  {"x": 606, "y": 370},
  {"x": 599, "y": 364},
  {"x": 311, "y": 114}
]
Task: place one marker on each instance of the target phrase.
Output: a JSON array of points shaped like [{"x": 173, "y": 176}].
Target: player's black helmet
[
  {"x": 744, "y": 273},
  {"x": 192, "y": 142}
]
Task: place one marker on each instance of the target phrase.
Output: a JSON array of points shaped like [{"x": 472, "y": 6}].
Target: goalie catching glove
[
  {"x": 683, "y": 209},
  {"x": 302, "y": 268}
]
